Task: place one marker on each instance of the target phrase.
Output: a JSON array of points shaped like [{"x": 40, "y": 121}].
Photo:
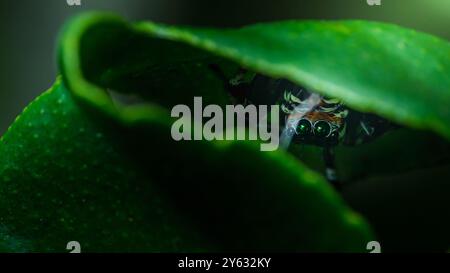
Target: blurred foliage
[
  {"x": 397, "y": 151},
  {"x": 409, "y": 211}
]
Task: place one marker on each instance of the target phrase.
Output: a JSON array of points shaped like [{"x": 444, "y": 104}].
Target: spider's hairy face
[
  {"x": 308, "y": 117},
  {"x": 312, "y": 118}
]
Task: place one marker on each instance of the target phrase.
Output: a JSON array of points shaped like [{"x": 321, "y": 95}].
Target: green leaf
[
  {"x": 69, "y": 172},
  {"x": 395, "y": 72}
]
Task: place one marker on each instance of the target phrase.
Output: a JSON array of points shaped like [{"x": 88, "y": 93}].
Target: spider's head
[
  {"x": 315, "y": 128},
  {"x": 315, "y": 119}
]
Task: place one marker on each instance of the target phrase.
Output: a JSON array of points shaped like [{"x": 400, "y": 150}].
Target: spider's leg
[
  {"x": 330, "y": 169},
  {"x": 236, "y": 87}
]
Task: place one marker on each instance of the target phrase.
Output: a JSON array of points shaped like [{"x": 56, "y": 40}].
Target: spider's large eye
[
  {"x": 303, "y": 127},
  {"x": 322, "y": 128}
]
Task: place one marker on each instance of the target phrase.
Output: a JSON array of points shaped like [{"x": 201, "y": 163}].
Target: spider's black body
[
  {"x": 350, "y": 126},
  {"x": 307, "y": 117}
]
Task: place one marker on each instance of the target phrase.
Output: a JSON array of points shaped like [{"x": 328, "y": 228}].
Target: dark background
[{"x": 29, "y": 29}]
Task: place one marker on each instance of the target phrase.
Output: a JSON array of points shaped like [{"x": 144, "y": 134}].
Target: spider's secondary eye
[
  {"x": 322, "y": 128},
  {"x": 303, "y": 127}
]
